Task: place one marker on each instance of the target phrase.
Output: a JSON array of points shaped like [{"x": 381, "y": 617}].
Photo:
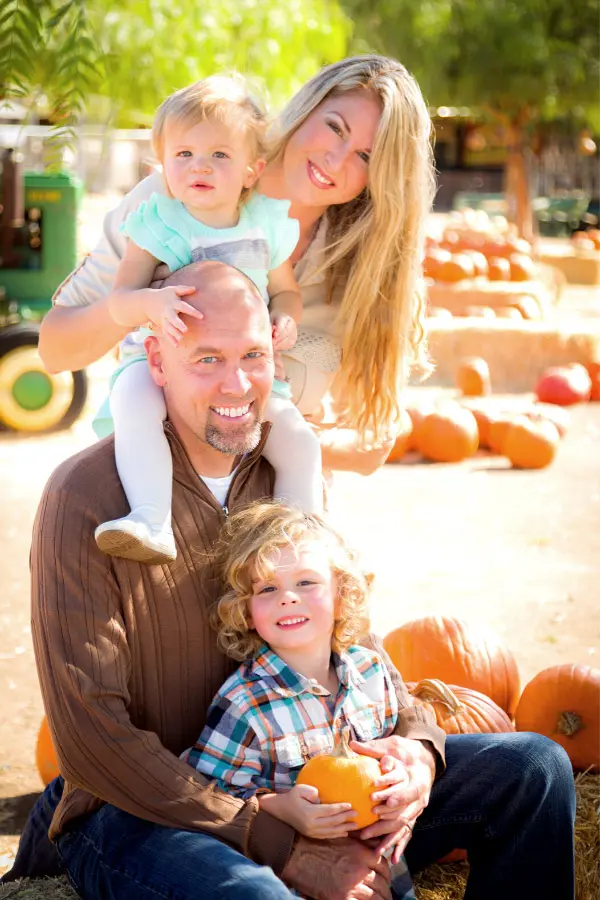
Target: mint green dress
[{"x": 261, "y": 241}]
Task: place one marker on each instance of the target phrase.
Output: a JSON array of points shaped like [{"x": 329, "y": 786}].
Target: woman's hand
[{"x": 301, "y": 808}]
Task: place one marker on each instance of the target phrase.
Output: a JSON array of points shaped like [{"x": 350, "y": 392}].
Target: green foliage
[
  {"x": 511, "y": 56},
  {"x": 126, "y": 56}
]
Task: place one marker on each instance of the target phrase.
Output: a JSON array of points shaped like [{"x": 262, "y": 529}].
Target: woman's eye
[
  {"x": 220, "y": 154},
  {"x": 365, "y": 157},
  {"x": 335, "y": 127}
]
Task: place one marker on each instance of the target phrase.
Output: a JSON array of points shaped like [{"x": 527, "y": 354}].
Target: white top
[{"x": 219, "y": 486}]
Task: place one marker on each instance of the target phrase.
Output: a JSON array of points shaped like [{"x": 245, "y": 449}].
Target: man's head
[{"x": 218, "y": 380}]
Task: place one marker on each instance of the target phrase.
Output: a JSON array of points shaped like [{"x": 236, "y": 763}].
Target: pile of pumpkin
[{"x": 451, "y": 431}]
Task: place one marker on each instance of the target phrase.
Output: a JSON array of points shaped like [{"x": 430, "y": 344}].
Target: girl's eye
[
  {"x": 184, "y": 153},
  {"x": 365, "y": 157},
  {"x": 220, "y": 154},
  {"x": 306, "y": 582},
  {"x": 267, "y": 589}
]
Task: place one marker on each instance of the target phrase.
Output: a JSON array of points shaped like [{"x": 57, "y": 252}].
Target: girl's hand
[
  {"x": 164, "y": 308},
  {"x": 285, "y": 333},
  {"x": 302, "y": 809}
]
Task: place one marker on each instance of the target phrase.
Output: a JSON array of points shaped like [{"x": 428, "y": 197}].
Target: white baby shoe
[{"x": 133, "y": 538}]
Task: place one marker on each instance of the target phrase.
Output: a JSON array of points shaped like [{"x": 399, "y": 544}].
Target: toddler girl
[
  {"x": 294, "y": 608},
  {"x": 209, "y": 139}
]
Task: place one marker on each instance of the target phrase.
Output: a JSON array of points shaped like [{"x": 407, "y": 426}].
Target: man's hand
[
  {"x": 403, "y": 789},
  {"x": 338, "y": 870}
]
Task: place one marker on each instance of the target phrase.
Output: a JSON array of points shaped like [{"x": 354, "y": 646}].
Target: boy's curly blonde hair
[{"x": 243, "y": 553}]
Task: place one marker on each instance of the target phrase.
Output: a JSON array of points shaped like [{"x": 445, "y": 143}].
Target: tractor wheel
[{"x": 30, "y": 399}]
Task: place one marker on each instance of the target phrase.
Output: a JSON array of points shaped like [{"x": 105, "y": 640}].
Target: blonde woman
[{"x": 351, "y": 152}]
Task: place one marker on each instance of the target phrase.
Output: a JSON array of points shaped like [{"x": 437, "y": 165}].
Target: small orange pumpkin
[
  {"x": 344, "y": 777},
  {"x": 450, "y": 649},
  {"x": 499, "y": 269},
  {"x": 449, "y": 434},
  {"x": 403, "y": 437},
  {"x": 460, "y": 710},
  {"x": 473, "y": 377},
  {"x": 558, "y": 415},
  {"x": 594, "y": 373},
  {"x": 45, "y": 755},
  {"x": 528, "y": 306},
  {"x": 530, "y": 443},
  {"x": 522, "y": 268},
  {"x": 434, "y": 259},
  {"x": 480, "y": 262},
  {"x": 497, "y": 431},
  {"x": 563, "y": 702},
  {"x": 458, "y": 268}
]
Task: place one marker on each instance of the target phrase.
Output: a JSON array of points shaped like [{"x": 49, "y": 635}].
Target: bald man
[{"x": 128, "y": 663}]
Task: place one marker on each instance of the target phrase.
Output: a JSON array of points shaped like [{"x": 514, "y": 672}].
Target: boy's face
[
  {"x": 206, "y": 166},
  {"x": 296, "y": 607}
]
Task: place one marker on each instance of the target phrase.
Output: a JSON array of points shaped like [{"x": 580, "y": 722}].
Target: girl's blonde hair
[
  {"x": 243, "y": 553},
  {"x": 224, "y": 98},
  {"x": 375, "y": 242}
]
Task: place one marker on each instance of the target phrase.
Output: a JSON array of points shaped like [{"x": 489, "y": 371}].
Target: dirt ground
[{"x": 517, "y": 551}]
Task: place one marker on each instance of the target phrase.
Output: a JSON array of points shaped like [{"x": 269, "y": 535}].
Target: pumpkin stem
[
  {"x": 342, "y": 748},
  {"x": 431, "y": 689},
  {"x": 569, "y": 723}
]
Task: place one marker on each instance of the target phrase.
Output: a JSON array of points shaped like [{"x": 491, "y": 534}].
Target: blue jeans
[{"x": 508, "y": 799}]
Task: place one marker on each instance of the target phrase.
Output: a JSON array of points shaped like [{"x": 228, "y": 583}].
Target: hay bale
[
  {"x": 39, "y": 889},
  {"x": 446, "y": 882}
]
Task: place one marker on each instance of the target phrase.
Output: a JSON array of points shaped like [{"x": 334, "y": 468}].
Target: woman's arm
[{"x": 79, "y": 329}]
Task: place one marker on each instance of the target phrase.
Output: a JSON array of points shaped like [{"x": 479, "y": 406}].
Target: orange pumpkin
[
  {"x": 483, "y": 418},
  {"x": 480, "y": 312},
  {"x": 344, "y": 777},
  {"x": 457, "y": 268},
  {"x": 522, "y": 268},
  {"x": 45, "y": 755},
  {"x": 508, "y": 312},
  {"x": 460, "y": 710},
  {"x": 449, "y": 434},
  {"x": 434, "y": 259},
  {"x": 402, "y": 442},
  {"x": 450, "y": 649},
  {"x": 417, "y": 415},
  {"x": 555, "y": 414},
  {"x": 528, "y": 306},
  {"x": 473, "y": 377},
  {"x": 497, "y": 431},
  {"x": 480, "y": 263},
  {"x": 499, "y": 269},
  {"x": 531, "y": 444},
  {"x": 563, "y": 702},
  {"x": 564, "y": 385}
]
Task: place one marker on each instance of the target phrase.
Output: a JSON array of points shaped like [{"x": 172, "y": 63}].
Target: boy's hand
[
  {"x": 300, "y": 807},
  {"x": 164, "y": 308},
  {"x": 284, "y": 330}
]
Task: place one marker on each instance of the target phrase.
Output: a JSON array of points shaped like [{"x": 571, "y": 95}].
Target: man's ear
[
  {"x": 155, "y": 360},
  {"x": 254, "y": 172}
]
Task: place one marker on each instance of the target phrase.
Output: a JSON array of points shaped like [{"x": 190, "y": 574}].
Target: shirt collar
[{"x": 270, "y": 668}]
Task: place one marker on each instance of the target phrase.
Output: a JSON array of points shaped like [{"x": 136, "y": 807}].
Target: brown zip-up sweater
[{"x": 128, "y": 663}]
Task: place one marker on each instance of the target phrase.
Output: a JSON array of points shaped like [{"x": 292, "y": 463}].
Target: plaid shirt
[{"x": 267, "y": 720}]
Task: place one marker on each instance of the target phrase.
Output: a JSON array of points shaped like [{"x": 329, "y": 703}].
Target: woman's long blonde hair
[
  {"x": 375, "y": 242},
  {"x": 244, "y": 552}
]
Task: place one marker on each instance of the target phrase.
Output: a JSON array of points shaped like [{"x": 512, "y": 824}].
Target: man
[{"x": 128, "y": 666}]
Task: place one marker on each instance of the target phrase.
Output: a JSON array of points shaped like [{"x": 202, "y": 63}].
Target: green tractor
[{"x": 38, "y": 250}]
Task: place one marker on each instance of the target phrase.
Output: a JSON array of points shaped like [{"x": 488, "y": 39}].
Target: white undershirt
[{"x": 218, "y": 486}]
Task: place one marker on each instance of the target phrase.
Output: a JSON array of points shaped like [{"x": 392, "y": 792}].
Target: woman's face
[{"x": 326, "y": 160}]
